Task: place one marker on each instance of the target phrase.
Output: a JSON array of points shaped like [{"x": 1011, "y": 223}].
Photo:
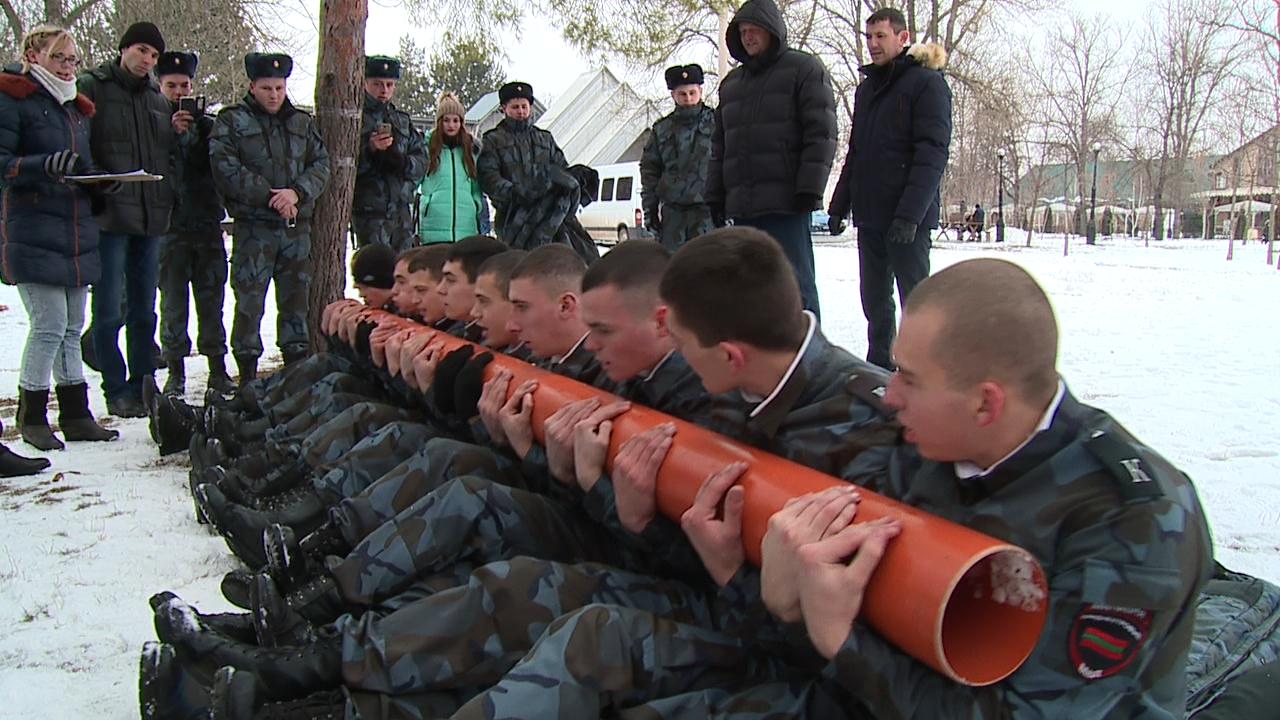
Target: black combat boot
[
  {"x": 248, "y": 367},
  {"x": 166, "y": 689},
  {"x": 176, "y": 383},
  {"x": 242, "y": 527},
  {"x": 219, "y": 380},
  {"x": 293, "y": 354},
  {"x": 235, "y": 695},
  {"x": 237, "y": 626},
  {"x": 284, "y": 673},
  {"x": 14, "y": 465},
  {"x": 286, "y": 563},
  {"x": 75, "y": 418},
  {"x": 175, "y": 424},
  {"x": 33, "y": 424},
  {"x": 275, "y": 622},
  {"x": 319, "y": 601},
  {"x": 327, "y": 539},
  {"x": 236, "y": 586}
]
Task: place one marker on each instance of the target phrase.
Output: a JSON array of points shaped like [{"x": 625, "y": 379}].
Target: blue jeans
[
  {"x": 125, "y": 297},
  {"x": 791, "y": 230},
  {"x": 56, "y": 315}
]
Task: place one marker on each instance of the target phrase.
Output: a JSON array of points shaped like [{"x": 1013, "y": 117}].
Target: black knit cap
[
  {"x": 267, "y": 65},
  {"x": 381, "y": 66},
  {"x": 683, "y": 75},
  {"x": 513, "y": 90},
  {"x": 178, "y": 63},
  {"x": 143, "y": 32},
  {"x": 374, "y": 265}
]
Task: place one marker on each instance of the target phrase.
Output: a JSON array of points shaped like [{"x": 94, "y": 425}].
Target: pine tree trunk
[{"x": 339, "y": 91}]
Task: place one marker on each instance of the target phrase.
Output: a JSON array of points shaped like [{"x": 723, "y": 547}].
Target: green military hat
[
  {"x": 513, "y": 90},
  {"x": 381, "y": 66},
  {"x": 267, "y": 65},
  {"x": 178, "y": 63}
]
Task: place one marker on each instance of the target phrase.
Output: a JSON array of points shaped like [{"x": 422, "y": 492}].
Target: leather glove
[
  {"x": 807, "y": 202},
  {"x": 468, "y": 386},
  {"x": 447, "y": 375},
  {"x": 717, "y": 214},
  {"x": 835, "y": 225},
  {"x": 60, "y": 164},
  {"x": 363, "y": 330},
  {"x": 901, "y": 231}
]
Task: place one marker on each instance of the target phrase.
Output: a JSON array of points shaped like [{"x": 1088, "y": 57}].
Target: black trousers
[{"x": 880, "y": 262}]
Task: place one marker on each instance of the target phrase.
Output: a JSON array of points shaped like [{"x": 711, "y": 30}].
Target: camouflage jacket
[
  {"x": 518, "y": 166},
  {"x": 253, "y": 151},
  {"x": 1125, "y": 547},
  {"x": 198, "y": 206},
  {"x": 673, "y": 168},
  {"x": 386, "y": 180}
]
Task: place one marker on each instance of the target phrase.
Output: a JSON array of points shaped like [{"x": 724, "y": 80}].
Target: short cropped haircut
[
  {"x": 556, "y": 268},
  {"x": 635, "y": 264},
  {"x": 997, "y": 324},
  {"x": 500, "y": 266},
  {"x": 893, "y": 15},
  {"x": 429, "y": 258},
  {"x": 473, "y": 250},
  {"x": 735, "y": 284}
]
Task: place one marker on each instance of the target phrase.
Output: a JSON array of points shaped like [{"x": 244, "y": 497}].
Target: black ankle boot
[
  {"x": 275, "y": 622},
  {"x": 14, "y": 465},
  {"x": 166, "y": 689},
  {"x": 176, "y": 383},
  {"x": 75, "y": 418},
  {"x": 175, "y": 424},
  {"x": 33, "y": 424},
  {"x": 219, "y": 380}
]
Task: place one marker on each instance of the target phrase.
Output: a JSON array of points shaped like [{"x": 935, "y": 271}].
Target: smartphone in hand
[
  {"x": 193, "y": 105},
  {"x": 384, "y": 128}
]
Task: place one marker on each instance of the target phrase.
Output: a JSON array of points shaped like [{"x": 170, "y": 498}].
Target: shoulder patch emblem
[{"x": 1104, "y": 640}]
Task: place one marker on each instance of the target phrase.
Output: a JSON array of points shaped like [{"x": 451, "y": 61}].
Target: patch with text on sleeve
[{"x": 1105, "y": 639}]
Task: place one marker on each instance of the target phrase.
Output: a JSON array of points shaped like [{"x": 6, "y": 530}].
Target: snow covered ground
[{"x": 1180, "y": 345}]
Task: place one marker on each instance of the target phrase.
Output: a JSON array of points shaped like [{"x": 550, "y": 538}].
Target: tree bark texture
[{"x": 339, "y": 77}]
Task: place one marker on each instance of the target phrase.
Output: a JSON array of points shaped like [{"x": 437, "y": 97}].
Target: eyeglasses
[{"x": 61, "y": 59}]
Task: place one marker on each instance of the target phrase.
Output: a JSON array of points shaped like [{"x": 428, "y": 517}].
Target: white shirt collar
[
  {"x": 966, "y": 470},
  {"x": 572, "y": 350},
  {"x": 795, "y": 362},
  {"x": 658, "y": 366}
]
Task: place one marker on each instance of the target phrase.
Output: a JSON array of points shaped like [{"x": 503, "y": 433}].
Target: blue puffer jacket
[{"x": 47, "y": 232}]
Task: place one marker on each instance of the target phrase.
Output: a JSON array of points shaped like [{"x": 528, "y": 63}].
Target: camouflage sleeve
[
  {"x": 234, "y": 181},
  {"x": 415, "y": 156},
  {"x": 315, "y": 177},
  {"x": 1112, "y": 605},
  {"x": 557, "y": 155},
  {"x": 715, "y": 166},
  {"x": 494, "y": 185},
  {"x": 662, "y": 540},
  {"x": 650, "y": 174},
  {"x": 817, "y": 113}
]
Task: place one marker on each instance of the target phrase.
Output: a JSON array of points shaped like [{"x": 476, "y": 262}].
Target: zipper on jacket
[
  {"x": 75, "y": 205},
  {"x": 453, "y": 202}
]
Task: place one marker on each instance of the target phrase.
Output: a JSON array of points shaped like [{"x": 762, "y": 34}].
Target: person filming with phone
[
  {"x": 192, "y": 253},
  {"x": 392, "y": 162}
]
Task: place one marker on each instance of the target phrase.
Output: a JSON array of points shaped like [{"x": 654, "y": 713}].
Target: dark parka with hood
[
  {"x": 131, "y": 131},
  {"x": 775, "y": 132},
  {"x": 47, "y": 234},
  {"x": 900, "y": 143}
]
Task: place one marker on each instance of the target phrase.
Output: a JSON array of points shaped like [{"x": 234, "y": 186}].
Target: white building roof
[{"x": 598, "y": 119}]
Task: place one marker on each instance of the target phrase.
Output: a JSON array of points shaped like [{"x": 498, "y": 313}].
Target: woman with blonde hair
[
  {"x": 451, "y": 205},
  {"x": 48, "y": 238}
]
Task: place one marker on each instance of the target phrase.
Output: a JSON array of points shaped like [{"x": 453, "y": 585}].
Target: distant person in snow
[{"x": 898, "y": 149}]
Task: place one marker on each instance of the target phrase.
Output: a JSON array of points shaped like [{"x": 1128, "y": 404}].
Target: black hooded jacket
[
  {"x": 900, "y": 143},
  {"x": 775, "y": 132}
]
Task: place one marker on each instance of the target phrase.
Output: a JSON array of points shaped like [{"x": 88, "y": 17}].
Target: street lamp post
[
  {"x": 1000, "y": 198},
  {"x": 1092, "y": 238}
]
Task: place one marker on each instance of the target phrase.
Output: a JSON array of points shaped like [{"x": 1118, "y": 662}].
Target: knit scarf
[{"x": 64, "y": 91}]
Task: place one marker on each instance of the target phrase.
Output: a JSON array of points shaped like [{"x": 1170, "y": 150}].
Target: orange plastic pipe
[{"x": 968, "y": 605}]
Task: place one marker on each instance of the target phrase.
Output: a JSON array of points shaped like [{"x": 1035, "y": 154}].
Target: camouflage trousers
[
  {"x": 395, "y": 229},
  {"x": 197, "y": 260},
  {"x": 334, "y": 437},
  {"x": 472, "y": 634},
  {"x": 323, "y": 398},
  {"x": 297, "y": 378},
  {"x": 682, "y": 223},
  {"x": 629, "y": 662},
  {"x": 262, "y": 254},
  {"x": 369, "y": 457},
  {"x": 468, "y": 520}
]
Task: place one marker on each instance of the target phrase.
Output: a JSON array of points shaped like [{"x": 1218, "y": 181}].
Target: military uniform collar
[
  {"x": 1049, "y": 437},
  {"x": 565, "y": 357},
  {"x": 771, "y": 411}
]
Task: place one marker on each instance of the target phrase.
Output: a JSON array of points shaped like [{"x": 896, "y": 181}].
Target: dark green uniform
[
  {"x": 673, "y": 174},
  {"x": 193, "y": 252},
  {"x": 252, "y": 152},
  {"x": 382, "y": 208}
]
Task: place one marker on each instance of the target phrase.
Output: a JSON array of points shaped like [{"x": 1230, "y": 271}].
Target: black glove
[
  {"x": 391, "y": 161},
  {"x": 60, "y": 164},
  {"x": 807, "y": 202},
  {"x": 835, "y": 224},
  {"x": 717, "y": 214},
  {"x": 363, "y": 330},
  {"x": 468, "y": 386},
  {"x": 446, "y": 375},
  {"x": 901, "y": 231}
]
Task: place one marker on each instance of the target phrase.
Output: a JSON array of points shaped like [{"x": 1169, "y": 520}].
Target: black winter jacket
[
  {"x": 900, "y": 142},
  {"x": 131, "y": 131},
  {"x": 775, "y": 132},
  {"x": 47, "y": 234}
]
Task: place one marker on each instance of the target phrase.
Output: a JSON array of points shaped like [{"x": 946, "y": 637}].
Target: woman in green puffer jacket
[{"x": 451, "y": 205}]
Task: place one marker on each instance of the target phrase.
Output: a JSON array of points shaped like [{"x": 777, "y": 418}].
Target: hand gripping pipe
[{"x": 967, "y": 605}]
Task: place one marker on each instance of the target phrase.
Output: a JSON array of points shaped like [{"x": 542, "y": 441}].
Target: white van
[{"x": 615, "y": 215}]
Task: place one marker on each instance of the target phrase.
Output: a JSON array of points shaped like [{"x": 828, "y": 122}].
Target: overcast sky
[{"x": 542, "y": 58}]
